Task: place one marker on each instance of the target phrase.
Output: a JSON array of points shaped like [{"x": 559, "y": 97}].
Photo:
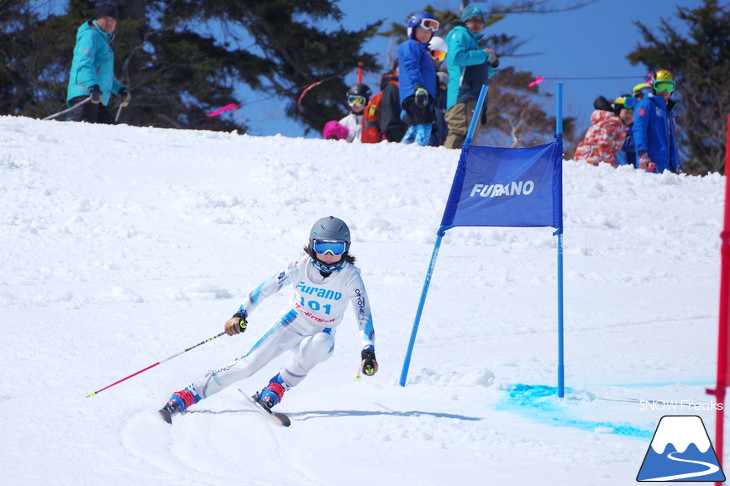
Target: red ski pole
[{"x": 153, "y": 365}]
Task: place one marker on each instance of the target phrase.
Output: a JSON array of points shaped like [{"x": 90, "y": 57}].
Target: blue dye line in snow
[{"x": 539, "y": 403}]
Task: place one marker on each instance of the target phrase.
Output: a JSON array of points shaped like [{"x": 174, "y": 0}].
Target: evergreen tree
[
  {"x": 700, "y": 63},
  {"x": 181, "y": 58}
]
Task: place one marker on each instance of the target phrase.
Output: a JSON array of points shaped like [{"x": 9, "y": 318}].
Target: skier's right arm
[{"x": 237, "y": 323}]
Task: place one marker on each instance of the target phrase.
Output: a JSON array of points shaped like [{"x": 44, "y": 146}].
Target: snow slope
[{"x": 124, "y": 245}]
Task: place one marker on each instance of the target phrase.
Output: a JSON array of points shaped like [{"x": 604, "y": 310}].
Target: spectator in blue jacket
[
  {"x": 624, "y": 108},
  {"x": 654, "y": 131},
  {"x": 470, "y": 67},
  {"x": 417, "y": 78},
  {"x": 92, "y": 69}
]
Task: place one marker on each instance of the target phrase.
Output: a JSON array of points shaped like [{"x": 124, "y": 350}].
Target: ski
[{"x": 278, "y": 418}]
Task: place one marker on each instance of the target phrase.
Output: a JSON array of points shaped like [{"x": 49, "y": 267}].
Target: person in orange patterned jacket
[{"x": 604, "y": 138}]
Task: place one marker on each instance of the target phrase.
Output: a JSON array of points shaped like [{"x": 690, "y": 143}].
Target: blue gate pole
[
  {"x": 414, "y": 331},
  {"x": 439, "y": 236},
  {"x": 559, "y": 232}
]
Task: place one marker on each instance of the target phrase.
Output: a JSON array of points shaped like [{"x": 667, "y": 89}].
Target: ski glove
[
  {"x": 646, "y": 163},
  {"x": 421, "y": 96},
  {"x": 95, "y": 94},
  {"x": 236, "y": 324},
  {"x": 125, "y": 96},
  {"x": 369, "y": 363}
]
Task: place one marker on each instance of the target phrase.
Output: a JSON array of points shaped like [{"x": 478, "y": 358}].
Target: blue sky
[{"x": 590, "y": 42}]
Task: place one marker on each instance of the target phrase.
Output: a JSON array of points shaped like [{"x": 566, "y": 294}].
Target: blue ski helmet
[
  {"x": 417, "y": 20},
  {"x": 330, "y": 228}
]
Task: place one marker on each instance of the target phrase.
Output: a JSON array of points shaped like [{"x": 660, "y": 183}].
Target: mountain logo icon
[{"x": 680, "y": 451}]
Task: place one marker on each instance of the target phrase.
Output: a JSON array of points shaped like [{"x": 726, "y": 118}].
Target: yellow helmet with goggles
[{"x": 663, "y": 81}]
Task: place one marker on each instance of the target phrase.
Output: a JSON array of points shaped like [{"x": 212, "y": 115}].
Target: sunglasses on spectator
[
  {"x": 333, "y": 247},
  {"x": 664, "y": 85},
  {"x": 440, "y": 55},
  {"x": 430, "y": 24},
  {"x": 478, "y": 20},
  {"x": 355, "y": 100}
]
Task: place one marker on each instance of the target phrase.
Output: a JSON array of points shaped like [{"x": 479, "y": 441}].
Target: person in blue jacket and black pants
[
  {"x": 92, "y": 69},
  {"x": 417, "y": 78}
]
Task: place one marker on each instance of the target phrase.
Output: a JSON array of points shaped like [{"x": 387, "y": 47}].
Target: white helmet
[
  {"x": 437, "y": 48},
  {"x": 438, "y": 44}
]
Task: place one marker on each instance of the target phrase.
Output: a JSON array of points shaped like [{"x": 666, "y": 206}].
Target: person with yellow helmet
[
  {"x": 654, "y": 130},
  {"x": 641, "y": 90}
]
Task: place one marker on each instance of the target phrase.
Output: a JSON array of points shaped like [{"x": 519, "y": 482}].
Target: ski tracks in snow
[{"x": 227, "y": 446}]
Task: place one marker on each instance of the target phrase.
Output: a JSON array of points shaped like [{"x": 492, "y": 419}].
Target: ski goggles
[
  {"x": 630, "y": 102},
  {"x": 664, "y": 85},
  {"x": 334, "y": 247},
  {"x": 430, "y": 24},
  {"x": 356, "y": 100},
  {"x": 439, "y": 55}
]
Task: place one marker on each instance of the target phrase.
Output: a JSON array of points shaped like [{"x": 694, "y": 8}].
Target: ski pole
[
  {"x": 119, "y": 112},
  {"x": 153, "y": 365},
  {"x": 51, "y": 117}
]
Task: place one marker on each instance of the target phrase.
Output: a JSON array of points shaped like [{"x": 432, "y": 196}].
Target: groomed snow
[{"x": 124, "y": 245}]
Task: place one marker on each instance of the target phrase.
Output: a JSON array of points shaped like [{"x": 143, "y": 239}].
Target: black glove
[
  {"x": 95, "y": 94},
  {"x": 125, "y": 96},
  {"x": 369, "y": 363},
  {"x": 421, "y": 96}
]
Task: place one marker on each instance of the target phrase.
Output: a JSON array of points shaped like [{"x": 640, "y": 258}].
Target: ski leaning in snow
[{"x": 277, "y": 417}]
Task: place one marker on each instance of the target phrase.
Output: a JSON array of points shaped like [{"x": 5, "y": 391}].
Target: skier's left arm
[{"x": 363, "y": 316}]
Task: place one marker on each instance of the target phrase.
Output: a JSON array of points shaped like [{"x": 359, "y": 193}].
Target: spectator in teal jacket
[
  {"x": 470, "y": 67},
  {"x": 92, "y": 70}
]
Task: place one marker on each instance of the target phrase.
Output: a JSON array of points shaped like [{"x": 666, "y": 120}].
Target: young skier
[
  {"x": 322, "y": 280},
  {"x": 417, "y": 78}
]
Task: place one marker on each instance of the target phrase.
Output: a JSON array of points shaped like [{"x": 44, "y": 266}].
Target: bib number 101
[{"x": 315, "y": 305}]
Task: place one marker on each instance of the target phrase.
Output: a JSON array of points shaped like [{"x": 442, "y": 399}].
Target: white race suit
[{"x": 307, "y": 328}]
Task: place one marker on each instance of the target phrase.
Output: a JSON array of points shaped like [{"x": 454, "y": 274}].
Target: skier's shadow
[{"x": 314, "y": 414}]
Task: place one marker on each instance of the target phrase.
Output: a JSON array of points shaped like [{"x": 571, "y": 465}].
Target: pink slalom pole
[
  {"x": 724, "y": 319},
  {"x": 153, "y": 365}
]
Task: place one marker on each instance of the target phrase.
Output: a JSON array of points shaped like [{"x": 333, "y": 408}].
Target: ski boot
[
  {"x": 274, "y": 392},
  {"x": 179, "y": 402}
]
